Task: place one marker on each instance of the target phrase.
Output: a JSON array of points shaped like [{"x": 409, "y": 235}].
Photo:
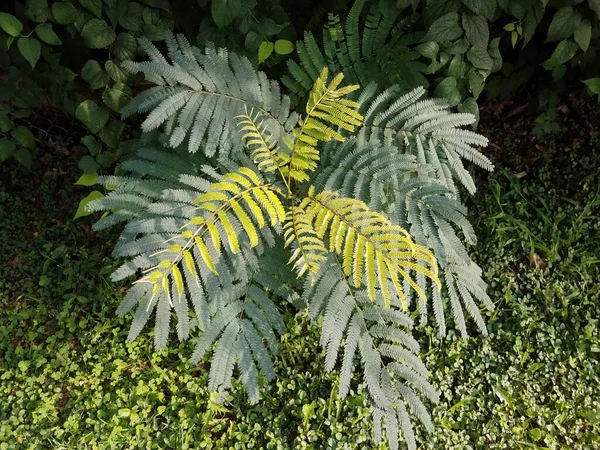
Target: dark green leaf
[
  {"x": 115, "y": 72},
  {"x": 117, "y": 96},
  {"x": 97, "y": 34},
  {"x": 485, "y": 8},
  {"x": 564, "y": 51},
  {"x": 154, "y": 32},
  {"x": 7, "y": 149},
  {"x": 91, "y": 144},
  {"x": 30, "y": 48},
  {"x": 480, "y": 58},
  {"x": 23, "y": 155},
  {"x": 252, "y": 41},
  {"x": 225, "y": 11},
  {"x": 428, "y": 49},
  {"x": 24, "y": 136},
  {"x": 583, "y": 34},
  {"x": 446, "y": 28},
  {"x": 457, "y": 67},
  {"x": 6, "y": 123},
  {"x": 457, "y": 48},
  {"x": 47, "y": 34},
  {"x": 283, "y": 47},
  {"x": 64, "y": 12},
  {"x": 162, "y": 4},
  {"x": 269, "y": 27},
  {"x": 476, "y": 29},
  {"x": 94, "y": 6},
  {"x": 37, "y": 10},
  {"x": 469, "y": 106},
  {"x": 106, "y": 159},
  {"x": 593, "y": 85},
  {"x": 111, "y": 134},
  {"x": 91, "y": 115},
  {"x": 125, "y": 47},
  {"x": 595, "y": 6},
  {"x": 448, "y": 89},
  {"x": 94, "y": 75},
  {"x": 133, "y": 20},
  {"x": 564, "y": 23},
  {"x": 476, "y": 82},
  {"x": 88, "y": 164},
  {"x": 10, "y": 24},
  {"x": 265, "y": 50}
]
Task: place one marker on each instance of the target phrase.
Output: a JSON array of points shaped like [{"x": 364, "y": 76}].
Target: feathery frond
[
  {"x": 374, "y": 252},
  {"x": 202, "y": 93},
  {"x": 326, "y": 108},
  {"x": 379, "y": 335}
]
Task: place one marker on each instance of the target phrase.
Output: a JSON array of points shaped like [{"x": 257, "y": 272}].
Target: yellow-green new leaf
[
  {"x": 326, "y": 108},
  {"x": 373, "y": 250},
  {"x": 178, "y": 279}
]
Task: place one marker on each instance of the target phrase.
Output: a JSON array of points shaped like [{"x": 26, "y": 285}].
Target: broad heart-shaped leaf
[
  {"x": 115, "y": 72},
  {"x": 446, "y": 28},
  {"x": 117, "y": 96},
  {"x": 111, "y": 134},
  {"x": 94, "y": 75},
  {"x": 97, "y": 34},
  {"x": 265, "y": 50},
  {"x": 91, "y": 144},
  {"x": 133, "y": 20},
  {"x": 6, "y": 123},
  {"x": 448, "y": 89},
  {"x": 564, "y": 51},
  {"x": 480, "y": 58},
  {"x": 24, "y": 136},
  {"x": 64, "y": 12},
  {"x": 7, "y": 149},
  {"x": 88, "y": 164},
  {"x": 37, "y": 10},
  {"x": 564, "y": 23},
  {"x": 595, "y": 6},
  {"x": 31, "y": 49},
  {"x": 23, "y": 155},
  {"x": 476, "y": 29},
  {"x": 583, "y": 34},
  {"x": 593, "y": 85},
  {"x": 81, "y": 209},
  {"x": 225, "y": 11},
  {"x": 485, "y": 8},
  {"x": 47, "y": 34},
  {"x": 10, "y": 24},
  {"x": 125, "y": 47},
  {"x": 428, "y": 49},
  {"x": 283, "y": 47},
  {"x": 91, "y": 115},
  {"x": 94, "y": 6}
]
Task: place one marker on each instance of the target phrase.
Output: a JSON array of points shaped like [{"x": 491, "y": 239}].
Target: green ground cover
[{"x": 68, "y": 379}]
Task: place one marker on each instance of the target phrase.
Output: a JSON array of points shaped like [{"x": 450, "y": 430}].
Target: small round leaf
[{"x": 284, "y": 47}]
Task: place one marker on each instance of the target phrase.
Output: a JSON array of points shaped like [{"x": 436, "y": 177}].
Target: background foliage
[
  {"x": 68, "y": 378},
  {"x": 66, "y": 56}
]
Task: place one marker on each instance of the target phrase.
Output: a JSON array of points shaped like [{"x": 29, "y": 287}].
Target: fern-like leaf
[
  {"x": 326, "y": 108},
  {"x": 373, "y": 251}
]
